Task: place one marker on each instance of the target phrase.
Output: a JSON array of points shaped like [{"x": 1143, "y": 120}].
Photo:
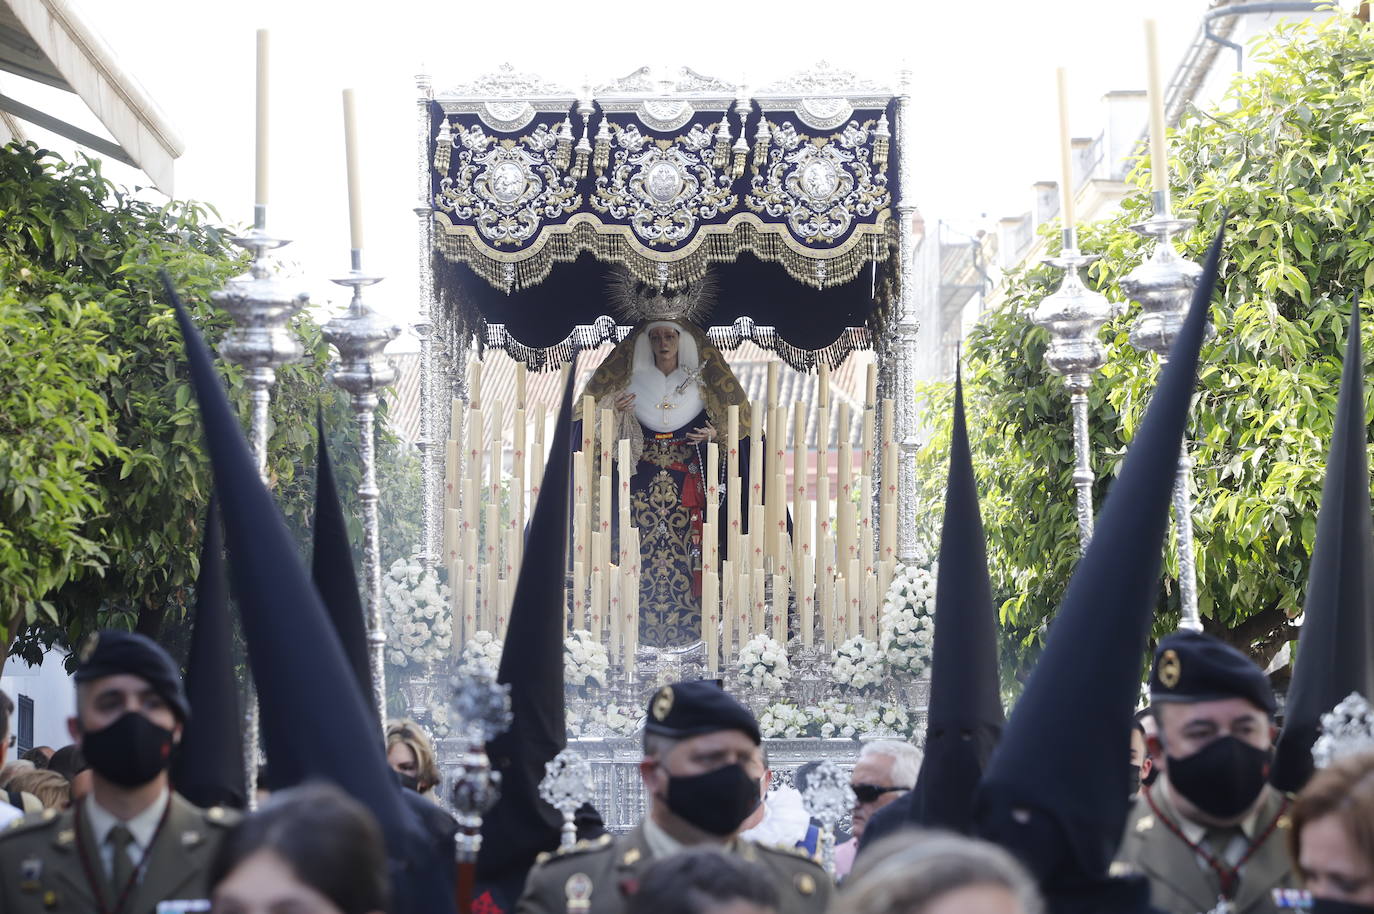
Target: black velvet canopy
[{"x": 788, "y": 199}]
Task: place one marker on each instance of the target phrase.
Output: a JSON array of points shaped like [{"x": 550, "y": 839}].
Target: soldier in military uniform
[
  {"x": 1210, "y": 834},
  {"x": 701, "y": 771},
  {"x": 132, "y": 843}
]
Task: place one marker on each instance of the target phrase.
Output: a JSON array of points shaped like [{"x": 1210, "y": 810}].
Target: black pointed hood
[
  {"x": 208, "y": 769},
  {"x": 521, "y": 825},
  {"x": 965, "y": 716},
  {"x": 331, "y": 568},
  {"x": 1336, "y": 648},
  {"x": 313, "y": 718},
  {"x": 1056, "y": 790}
]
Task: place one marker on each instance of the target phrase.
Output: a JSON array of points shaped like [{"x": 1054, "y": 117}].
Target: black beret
[
  {"x": 112, "y": 652},
  {"x": 1190, "y": 666},
  {"x": 700, "y": 706}
]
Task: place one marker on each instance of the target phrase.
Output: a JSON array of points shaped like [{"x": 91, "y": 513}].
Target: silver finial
[{"x": 567, "y": 785}]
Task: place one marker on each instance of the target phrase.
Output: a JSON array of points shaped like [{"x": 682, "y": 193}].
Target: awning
[{"x": 49, "y": 42}]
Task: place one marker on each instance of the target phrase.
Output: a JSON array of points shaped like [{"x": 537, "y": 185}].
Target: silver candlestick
[
  {"x": 566, "y": 786},
  {"x": 1163, "y": 285},
  {"x": 360, "y": 336},
  {"x": 482, "y": 708},
  {"x": 261, "y": 342},
  {"x": 1074, "y": 315},
  {"x": 828, "y": 797}
]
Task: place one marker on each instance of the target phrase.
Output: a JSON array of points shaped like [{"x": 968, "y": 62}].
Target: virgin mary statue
[{"x": 671, "y": 390}]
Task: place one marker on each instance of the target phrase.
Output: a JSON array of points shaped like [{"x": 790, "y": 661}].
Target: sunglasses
[{"x": 868, "y": 793}]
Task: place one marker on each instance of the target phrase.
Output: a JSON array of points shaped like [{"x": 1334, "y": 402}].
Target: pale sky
[{"x": 983, "y": 90}]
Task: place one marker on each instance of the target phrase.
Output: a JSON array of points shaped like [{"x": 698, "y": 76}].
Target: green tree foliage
[
  {"x": 1288, "y": 157},
  {"x": 103, "y": 478}
]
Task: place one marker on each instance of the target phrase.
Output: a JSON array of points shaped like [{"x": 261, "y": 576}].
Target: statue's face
[{"x": 663, "y": 341}]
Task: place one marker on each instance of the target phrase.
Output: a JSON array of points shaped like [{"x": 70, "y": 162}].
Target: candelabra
[
  {"x": 261, "y": 342},
  {"x": 1073, "y": 316},
  {"x": 828, "y": 797},
  {"x": 360, "y": 336},
  {"x": 566, "y": 786},
  {"x": 1163, "y": 285},
  {"x": 482, "y": 708}
]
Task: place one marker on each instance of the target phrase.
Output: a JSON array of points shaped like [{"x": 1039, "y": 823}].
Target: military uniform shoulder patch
[
  {"x": 29, "y": 823},
  {"x": 795, "y": 852},
  {"x": 582, "y": 847}
]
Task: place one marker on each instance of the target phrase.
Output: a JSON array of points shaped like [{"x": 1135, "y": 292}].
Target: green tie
[{"x": 121, "y": 864}]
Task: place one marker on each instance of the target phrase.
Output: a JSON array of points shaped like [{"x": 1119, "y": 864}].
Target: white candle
[
  {"x": 579, "y": 600},
  {"x": 453, "y": 536},
  {"x": 496, "y": 454},
  {"x": 355, "y": 189},
  {"x": 823, "y": 371},
  {"x": 710, "y": 607},
  {"x": 588, "y": 427},
  {"x": 598, "y": 603},
  {"x": 475, "y": 384},
  {"x": 1065, "y": 151},
  {"x": 756, "y": 453},
  {"x": 1159, "y": 154},
  {"x": 727, "y": 578},
  {"x": 471, "y": 617},
  {"x": 780, "y": 609},
  {"x": 520, "y": 385},
  {"x": 452, "y": 463},
  {"x": 260, "y": 150},
  {"x": 758, "y": 581},
  {"x": 613, "y": 613}
]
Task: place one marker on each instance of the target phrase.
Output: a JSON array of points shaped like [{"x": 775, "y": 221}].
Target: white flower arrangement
[
  {"x": 887, "y": 720},
  {"x": 585, "y": 661},
  {"x": 481, "y": 650},
  {"x": 783, "y": 720},
  {"x": 441, "y": 723},
  {"x": 907, "y": 628},
  {"x": 763, "y": 664},
  {"x": 833, "y": 719},
  {"x": 859, "y": 664},
  {"x": 611, "y": 720},
  {"x": 416, "y": 615}
]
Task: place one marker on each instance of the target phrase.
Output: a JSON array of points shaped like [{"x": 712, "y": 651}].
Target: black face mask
[
  {"x": 1331, "y": 906},
  {"x": 1224, "y": 778},
  {"x": 1135, "y": 780},
  {"x": 715, "y": 802},
  {"x": 409, "y": 781},
  {"x": 1149, "y": 779},
  {"x": 129, "y": 752}
]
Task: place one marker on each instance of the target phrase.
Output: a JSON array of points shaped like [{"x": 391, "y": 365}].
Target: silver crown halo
[
  {"x": 633, "y": 300},
  {"x": 1347, "y": 729}
]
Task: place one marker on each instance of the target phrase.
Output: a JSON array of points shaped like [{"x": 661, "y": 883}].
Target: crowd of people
[{"x": 1207, "y": 825}]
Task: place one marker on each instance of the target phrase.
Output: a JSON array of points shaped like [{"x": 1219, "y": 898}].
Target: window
[{"x": 24, "y": 728}]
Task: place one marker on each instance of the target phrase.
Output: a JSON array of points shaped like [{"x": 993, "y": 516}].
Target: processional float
[{"x": 795, "y": 200}]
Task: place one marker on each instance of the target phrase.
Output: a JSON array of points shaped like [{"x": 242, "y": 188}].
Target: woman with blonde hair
[
  {"x": 1331, "y": 837},
  {"x": 52, "y": 789},
  {"x": 410, "y": 754},
  {"x": 933, "y": 872}
]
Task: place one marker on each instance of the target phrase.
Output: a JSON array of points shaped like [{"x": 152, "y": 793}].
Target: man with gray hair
[{"x": 886, "y": 769}]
